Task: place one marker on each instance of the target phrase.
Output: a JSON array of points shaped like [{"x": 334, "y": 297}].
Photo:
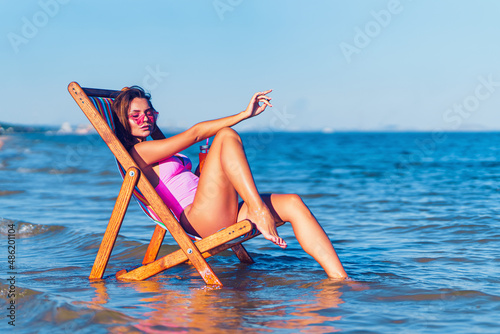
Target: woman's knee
[
  {"x": 295, "y": 200},
  {"x": 227, "y": 132},
  {"x": 289, "y": 202},
  {"x": 296, "y": 204},
  {"x": 287, "y": 207}
]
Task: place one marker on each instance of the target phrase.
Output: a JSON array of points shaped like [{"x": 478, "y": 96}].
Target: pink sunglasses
[{"x": 137, "y": 117}]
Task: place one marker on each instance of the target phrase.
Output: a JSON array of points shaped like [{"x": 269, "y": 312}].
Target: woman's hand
[{"x": 254, "y": 108}]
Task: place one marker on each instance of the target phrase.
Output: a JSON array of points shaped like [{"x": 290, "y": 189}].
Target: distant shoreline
[{"x": 6, "y": 128}]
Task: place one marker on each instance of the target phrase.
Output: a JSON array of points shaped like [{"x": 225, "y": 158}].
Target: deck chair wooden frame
[{"x": 194, "y": 253}]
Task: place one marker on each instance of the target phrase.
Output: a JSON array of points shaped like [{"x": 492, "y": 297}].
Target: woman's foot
[{"x": 264, "y": 221}]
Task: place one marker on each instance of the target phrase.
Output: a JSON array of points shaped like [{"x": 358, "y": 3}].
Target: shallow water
[{"x": 414, "y": 218}]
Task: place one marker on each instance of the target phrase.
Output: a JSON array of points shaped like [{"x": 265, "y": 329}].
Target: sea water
[{"x": 414, "y": 218}]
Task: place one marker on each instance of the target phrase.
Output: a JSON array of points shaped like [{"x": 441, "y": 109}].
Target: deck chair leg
[
  {"x": 154, "y": 245},
  {"x": 242, "y": 254},
  {"x": 115, "y": 222},
  {"x": 179, "y": 256}
]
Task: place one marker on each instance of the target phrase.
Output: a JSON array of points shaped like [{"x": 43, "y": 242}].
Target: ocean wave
[
  {"x": 20, "y": 293},
  {"x": 10, "y": 192},
  {"x": 41, "y": 309},
  {"x": 445, "y": 294},
  {"x": 24, "y": 229},
  {"x": 50, "y": 170}
]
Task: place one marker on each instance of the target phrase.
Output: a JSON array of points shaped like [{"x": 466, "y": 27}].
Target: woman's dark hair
[{"x": 121, "y": 107}]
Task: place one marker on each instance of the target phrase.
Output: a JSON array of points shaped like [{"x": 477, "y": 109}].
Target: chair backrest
[{"x": 103, "y": 105}]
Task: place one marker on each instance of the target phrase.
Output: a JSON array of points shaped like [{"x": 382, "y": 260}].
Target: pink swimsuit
[{"x": 177, "y": 184}]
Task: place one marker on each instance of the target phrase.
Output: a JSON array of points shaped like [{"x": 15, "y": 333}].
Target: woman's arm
[{"x": 149, "y": 152}]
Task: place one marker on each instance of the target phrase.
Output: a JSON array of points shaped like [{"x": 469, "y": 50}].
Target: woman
[{"x": 209, "y": 203}]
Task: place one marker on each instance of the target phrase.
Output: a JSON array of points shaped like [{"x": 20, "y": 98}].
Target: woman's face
[{"x": 141, "y": 118}]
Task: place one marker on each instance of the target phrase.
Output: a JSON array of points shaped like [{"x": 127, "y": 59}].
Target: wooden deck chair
[{"x": 96, "y": 104}]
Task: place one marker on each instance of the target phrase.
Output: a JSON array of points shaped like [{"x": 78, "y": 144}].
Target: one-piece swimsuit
[{"x": 177, "y": 185}]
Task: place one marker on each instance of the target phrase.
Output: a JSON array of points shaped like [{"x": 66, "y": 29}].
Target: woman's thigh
[
  {"x": 215, "y": 204},
  {"x": 211, "y": 211}
]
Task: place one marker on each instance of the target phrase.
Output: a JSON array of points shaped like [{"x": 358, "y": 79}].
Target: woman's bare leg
[
  {"x": 309, "y": 233},
  {"x": 225, "y": 175}
]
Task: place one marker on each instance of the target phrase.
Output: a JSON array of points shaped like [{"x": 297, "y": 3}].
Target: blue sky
[{"x": 335, "y": 65}]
